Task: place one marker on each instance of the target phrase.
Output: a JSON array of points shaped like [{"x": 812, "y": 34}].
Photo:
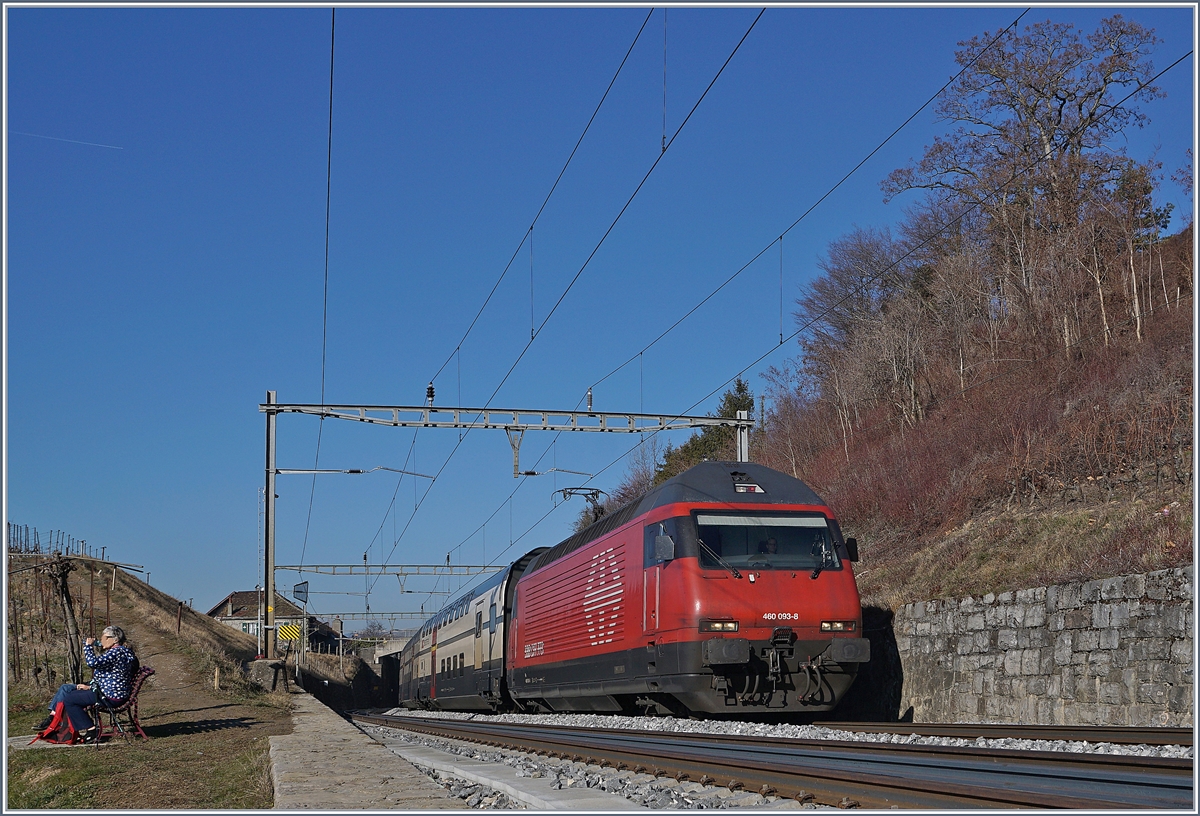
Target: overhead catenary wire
[
  {"x": 937, "y": 231},
  {"x": 1008, "y": 372},
  {"x": 532, "y": 319},
  {"x": 529, "y": 234},
  {"x": 807, "y": 212},
  {"x": 325, "y": 293},
  {"x": 933, "y": 234},
  {"x": 546, "y": 200},
  {"x": 803, "y": 328},
  {"x": 745, "y": 266},
  {"x": 586, "y": 262},
  {"x": 954, "y": 395}
]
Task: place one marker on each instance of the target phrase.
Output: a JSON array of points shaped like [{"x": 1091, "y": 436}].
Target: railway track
[
  {"x": 848, "y": 774},
  {"x": 1122, "y": 735}
]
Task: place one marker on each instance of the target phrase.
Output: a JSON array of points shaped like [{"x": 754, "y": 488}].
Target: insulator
[
  {"x": 429, "y": 394},
  {"x": 589, "y": 400}
]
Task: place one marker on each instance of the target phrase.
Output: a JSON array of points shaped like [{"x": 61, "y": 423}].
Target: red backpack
[{"x": 60, "y": 730}]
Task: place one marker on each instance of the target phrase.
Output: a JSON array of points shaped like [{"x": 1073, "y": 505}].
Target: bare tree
[{"x": 1029, "y": 106}]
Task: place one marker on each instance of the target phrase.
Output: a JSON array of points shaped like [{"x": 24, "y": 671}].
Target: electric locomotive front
[{"x": 727, "y": 590}]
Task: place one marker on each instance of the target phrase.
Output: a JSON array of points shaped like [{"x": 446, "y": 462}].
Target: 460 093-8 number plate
[{"x": 781, "y": 616}]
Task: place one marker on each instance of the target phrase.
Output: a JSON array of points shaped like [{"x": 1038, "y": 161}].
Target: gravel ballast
[
  {"x": 666, "y": 793},
  {"x": 806, "y": 732}
]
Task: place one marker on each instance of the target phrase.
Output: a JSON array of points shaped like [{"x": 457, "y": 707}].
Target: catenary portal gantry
[
  {"x": 408, "y": 416},
  {"x": 394, "y": 569},
  {"x": 514, "y": 422}
]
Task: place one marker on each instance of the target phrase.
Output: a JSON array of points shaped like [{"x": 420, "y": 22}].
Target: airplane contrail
[{"x": 72, "y": 141}]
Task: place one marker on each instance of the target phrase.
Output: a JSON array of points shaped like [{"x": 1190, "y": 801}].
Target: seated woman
[{"x": 111, "y": 681}]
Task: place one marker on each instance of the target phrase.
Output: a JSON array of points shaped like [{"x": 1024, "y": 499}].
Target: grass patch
[
  {"x": 26, "y": 707},
  {"x": 1015, "y": 550},
  {"x": 183, "y": 773}
]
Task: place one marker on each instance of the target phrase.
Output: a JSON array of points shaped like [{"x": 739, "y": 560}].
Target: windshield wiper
[
  {"x": 720, "y": 560},
  {"x": 823, "y": 562}
]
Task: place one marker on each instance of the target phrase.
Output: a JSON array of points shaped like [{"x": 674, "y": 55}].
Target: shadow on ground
[{"x": 198, "y": 727}]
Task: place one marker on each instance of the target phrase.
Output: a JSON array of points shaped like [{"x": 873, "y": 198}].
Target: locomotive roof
[
  {"x": 707, "y": 482},
  {"x": 718, "y": 481}
]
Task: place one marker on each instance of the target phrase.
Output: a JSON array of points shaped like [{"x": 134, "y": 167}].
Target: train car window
[
  {"x": 667, "y": 527},
  {"x": 767, "y": 541},
  {"x": 492, "y": 619},
  {"x": 462, "y": 663},
  {"x": 478, "y": 624}
]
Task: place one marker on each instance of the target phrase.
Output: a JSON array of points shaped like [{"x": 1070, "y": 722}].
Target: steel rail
[
  {"x": 1120, "y": 734},
  {"x": 849, "y": 774}
]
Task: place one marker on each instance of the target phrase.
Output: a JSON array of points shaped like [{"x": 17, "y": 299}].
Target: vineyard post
[{"x": 92, "y": 601}]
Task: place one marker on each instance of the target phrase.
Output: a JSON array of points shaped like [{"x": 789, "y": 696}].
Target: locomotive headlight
[
  {"x": 718, "y": 626},
  {"x": 838, "y": 626}
]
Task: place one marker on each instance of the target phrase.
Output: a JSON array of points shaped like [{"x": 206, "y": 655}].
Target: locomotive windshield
[{"x": 766, "y": 542}]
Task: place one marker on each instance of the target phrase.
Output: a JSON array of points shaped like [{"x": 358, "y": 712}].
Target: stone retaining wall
[{"x": 1116, "y": 651}]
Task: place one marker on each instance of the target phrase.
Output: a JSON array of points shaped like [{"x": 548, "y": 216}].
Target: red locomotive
[{"x": 726, "y": 590}]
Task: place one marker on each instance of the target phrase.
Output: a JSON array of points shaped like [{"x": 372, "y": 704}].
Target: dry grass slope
[{"x": 208, "y": 747}]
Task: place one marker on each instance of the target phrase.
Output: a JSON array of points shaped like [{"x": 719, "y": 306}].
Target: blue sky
[{"x": 156, "y": 291}]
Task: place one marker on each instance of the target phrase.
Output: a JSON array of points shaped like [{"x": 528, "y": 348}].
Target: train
[{"x": 725, "y": 591}]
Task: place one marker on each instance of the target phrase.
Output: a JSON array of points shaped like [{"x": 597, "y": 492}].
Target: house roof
[{"x": 245, "y": 605}]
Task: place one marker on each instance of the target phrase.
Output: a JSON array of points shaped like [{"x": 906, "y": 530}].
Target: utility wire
[
  {"x": 546, "y": 201},
  {"x": 328, "y": 191},
  {"x": 933, "y": 234},
  {"x": 664, "y": 129},
  {"x": 1014, "y": 369},
  {"x": 780, "y": 239},
  {"x": 732, "y": 277},
  {"x": 325, "y": 295},
  {"x": 999, "y": 375},
  {"x": 396, "y": 492},
  {"x": 806, "y": 213},
  {"x": 712, "y": 294},
  {"x": 586, "y": 262},
  {"x": 808, "y": 324}
]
